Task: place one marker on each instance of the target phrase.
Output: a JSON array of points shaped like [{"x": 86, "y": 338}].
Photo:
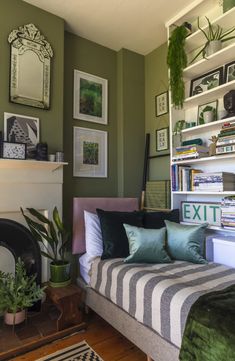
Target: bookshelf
[{"x": 217, "y": 163}]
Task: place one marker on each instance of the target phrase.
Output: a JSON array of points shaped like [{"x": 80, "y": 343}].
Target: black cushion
[
  {"x": 155, "y": 220},
  {"x": 115, "y": 241}
]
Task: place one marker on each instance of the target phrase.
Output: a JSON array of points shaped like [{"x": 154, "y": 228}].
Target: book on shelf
[
  {"x": 225, "y": 149},
  {"x": 228, "y": 212},
  {"x": 182, "y": 178},
  {"x": 216, "y": 182},
  {"x": 228, "y": 133},
  {"x": 192, "y": 148},
  {"x": 224, "y": 141},
  {"x": 194, "y": 155}
]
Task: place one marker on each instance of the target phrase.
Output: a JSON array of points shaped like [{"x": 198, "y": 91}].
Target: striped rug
[{"x": 79, "y": 352}]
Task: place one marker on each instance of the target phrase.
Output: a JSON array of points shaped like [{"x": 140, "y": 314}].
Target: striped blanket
[{"x": 160, "y": 295}]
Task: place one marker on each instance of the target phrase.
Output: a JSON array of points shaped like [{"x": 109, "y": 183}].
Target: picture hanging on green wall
[
  {"x": 89, "y": 153},
  {"x": 90, "y": 98}
]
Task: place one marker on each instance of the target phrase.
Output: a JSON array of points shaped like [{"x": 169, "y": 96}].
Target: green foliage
[
  {"x": 90, "y": 98},
  {"x": 19, "y": 291},
  {"x": 177, "y": 61},
  {"x": 215, "y": 32},
  {"x": 55, "y": 234}
]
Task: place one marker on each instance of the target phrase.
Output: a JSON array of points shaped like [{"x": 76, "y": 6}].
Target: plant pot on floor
[
  {"x": 14, "y": 318},
  {"x": 60, "y": 274}
]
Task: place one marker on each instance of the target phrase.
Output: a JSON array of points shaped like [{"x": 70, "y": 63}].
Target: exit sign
[{"x": 201, "y": 212}]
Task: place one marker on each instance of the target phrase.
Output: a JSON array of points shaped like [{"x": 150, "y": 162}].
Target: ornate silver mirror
[{"x": 30, "y": 67}]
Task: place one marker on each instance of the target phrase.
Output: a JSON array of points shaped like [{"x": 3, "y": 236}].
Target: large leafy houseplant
[
  {"x": 177, "y": 61},
  {"x": 54, "y": 239},
  {"x": 18, "y": 292},
  {"x": 214, "y": 33}
]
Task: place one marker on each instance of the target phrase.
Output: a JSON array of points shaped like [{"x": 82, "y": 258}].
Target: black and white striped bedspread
[{"x": 160, "y": 295}]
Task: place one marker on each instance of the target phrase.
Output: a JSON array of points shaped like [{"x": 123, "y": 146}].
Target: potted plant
[
  {"x": 54, "y": 239},
  {"x": 177, "y": 61},
  {"x": 177, "y": 132},
  {"x": 17, "y": 293},
  {"x": 215, "y": 36}
]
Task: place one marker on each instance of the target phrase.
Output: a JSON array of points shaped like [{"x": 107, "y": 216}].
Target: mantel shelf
[{"x": 30, "y": 164}]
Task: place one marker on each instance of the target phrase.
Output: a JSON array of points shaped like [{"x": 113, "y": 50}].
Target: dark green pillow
[
  {"x": 155, "y": 220},
  {"x": 115, "y": 242},
  {"x": 184, "y": 242},
  {"x": 146, "y": 245}
]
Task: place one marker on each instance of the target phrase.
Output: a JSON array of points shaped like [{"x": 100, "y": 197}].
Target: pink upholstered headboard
[{"x": 90, "y": 205}]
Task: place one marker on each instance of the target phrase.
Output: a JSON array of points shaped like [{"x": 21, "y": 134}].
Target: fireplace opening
[{"x": 16, "y": 241}]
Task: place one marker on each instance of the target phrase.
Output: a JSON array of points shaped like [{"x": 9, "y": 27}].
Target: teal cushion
[
  {"x": 184, "y": 242},
  {"x": 146, "y": 245}
]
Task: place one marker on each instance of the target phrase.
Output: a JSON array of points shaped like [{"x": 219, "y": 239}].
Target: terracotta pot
[{"x": 14, "y": 318}]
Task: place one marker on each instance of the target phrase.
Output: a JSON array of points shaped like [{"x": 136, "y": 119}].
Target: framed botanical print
[
  {"x": 161, "y": 104},
  {"x": 89, "y": 153},
  {"x": 162, "y": 139},
  {"x": 90, "y": 101}
]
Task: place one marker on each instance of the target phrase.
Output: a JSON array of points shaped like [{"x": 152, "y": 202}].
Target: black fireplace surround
[{"x": 19, "y": 241}]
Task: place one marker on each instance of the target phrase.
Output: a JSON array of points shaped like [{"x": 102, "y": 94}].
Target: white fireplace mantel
[{"x": 30, "y": 183}]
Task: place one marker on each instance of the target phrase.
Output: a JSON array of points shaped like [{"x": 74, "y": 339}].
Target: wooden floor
[{"x": 104, "y": 339}]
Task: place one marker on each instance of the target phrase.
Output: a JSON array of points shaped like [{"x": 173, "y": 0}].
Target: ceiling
[{"x": 137, "y": 25}]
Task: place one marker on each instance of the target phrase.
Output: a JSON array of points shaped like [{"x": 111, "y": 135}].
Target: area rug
[{"x": 78, "y": 352}]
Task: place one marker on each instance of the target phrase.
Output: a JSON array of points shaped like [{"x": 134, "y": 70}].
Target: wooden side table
[{"x": 68, "y": 301}]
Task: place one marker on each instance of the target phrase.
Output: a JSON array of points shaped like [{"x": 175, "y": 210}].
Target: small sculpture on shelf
[
  {"x": 229, "y": 104},
  {"x": 212, "y": 146}
]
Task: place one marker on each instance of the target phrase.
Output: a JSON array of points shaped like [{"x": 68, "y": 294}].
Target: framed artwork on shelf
[
  {"x": 162, "y": 139},
  {"x": 229, "y": 72},
  {"x": 161, "y": 104},
  {"x": 90, "y": 101},
  {"x": 89, "y": 153},
  {"x": 207, "y": 112},
  {"x": 22, "y": 129},
  {"x": 13, "y": 150},
  {"x": 206, "y": 81}
]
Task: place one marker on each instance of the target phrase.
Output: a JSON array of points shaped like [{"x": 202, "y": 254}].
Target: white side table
[{"x": 224, "y": 251}]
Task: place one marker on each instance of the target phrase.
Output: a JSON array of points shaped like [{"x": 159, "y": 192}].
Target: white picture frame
[
  {"x": 89, "y": 152},
  {"x": 90, "y": 100},
  {"x": 162, "y": 139},
  {"x": 22, "y": 129}
]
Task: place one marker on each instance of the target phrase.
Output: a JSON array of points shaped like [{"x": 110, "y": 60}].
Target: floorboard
[{"x": 103, "y": 338}]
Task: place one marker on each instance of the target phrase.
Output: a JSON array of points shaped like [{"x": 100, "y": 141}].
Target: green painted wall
[
  {"x": 130, "y": 122},
  {"x": 14, "y": 13},
  {"x": 156, "y": 82},
  {"x": 92, "y": 58}
]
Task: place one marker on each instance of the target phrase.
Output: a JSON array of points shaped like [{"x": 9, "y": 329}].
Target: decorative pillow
[
  {"x": 184, "y": 242},
  {"x": 155, "y": 220},
  {"x": 93, "y": 236},
  {"x": 115, "y": 242},
  {"x": 146, "y": 245}
]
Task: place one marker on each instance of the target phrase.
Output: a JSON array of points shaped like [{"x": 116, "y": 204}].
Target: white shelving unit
[{"x": 224, "y": 162}]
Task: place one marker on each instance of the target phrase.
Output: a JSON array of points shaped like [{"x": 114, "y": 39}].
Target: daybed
[{"x": 181, "y": 289}]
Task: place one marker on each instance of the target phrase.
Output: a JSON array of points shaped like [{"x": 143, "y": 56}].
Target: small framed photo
[
  {"x": 161, "y": 104},
  {"x": 162, "y": 139},
  {"x": 206, "y": 81},
  {"x": 13, "y": 150},
  {"x": 207, "y": 112},
  {"x": 229, "y": 72},
  {"x": 90, "y": 100},
  {"x": 22, "y": 129},
  {"x": 89, "y": 153}
]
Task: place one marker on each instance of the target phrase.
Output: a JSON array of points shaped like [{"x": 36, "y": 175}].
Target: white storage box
[{"x": 224, "y": 252}]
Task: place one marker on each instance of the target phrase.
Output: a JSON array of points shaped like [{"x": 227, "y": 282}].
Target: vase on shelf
[{"x": 213, "y": 46}]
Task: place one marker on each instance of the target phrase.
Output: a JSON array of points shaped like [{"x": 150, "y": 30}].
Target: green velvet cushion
[
  {"x": 184, "y": 242},
  {"x": 146, "y": 245},
  {"x": 115, "y": 242}
]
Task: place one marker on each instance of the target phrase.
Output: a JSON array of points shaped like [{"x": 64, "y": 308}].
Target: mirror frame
[{"x": 27, "y": 38}]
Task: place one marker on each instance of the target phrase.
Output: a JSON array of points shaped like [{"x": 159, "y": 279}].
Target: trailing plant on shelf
[
  {"x": 17, "y": 293},
  {"x": 177, "y": 61},
  {"x": 215, "y": 33},
  {"x": 54, "y": 238}
]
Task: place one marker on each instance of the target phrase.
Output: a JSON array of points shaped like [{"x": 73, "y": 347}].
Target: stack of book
[
  {"x": 226, "y": 139},
  {"x": 182, "y": 177},
  {"x": 228, "y": 212},
  {"x": 190, "y": 152},
  {"x": 215, "y": 182}
]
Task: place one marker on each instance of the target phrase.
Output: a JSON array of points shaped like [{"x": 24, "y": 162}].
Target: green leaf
[
  {"x": 47, "y": 255},
  {"x": 38, "y": 215},
  {"x": 57, "y": 220}
]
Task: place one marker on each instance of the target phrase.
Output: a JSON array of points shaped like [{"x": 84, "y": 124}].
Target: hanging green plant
[{"x": 177, "y": 61}]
